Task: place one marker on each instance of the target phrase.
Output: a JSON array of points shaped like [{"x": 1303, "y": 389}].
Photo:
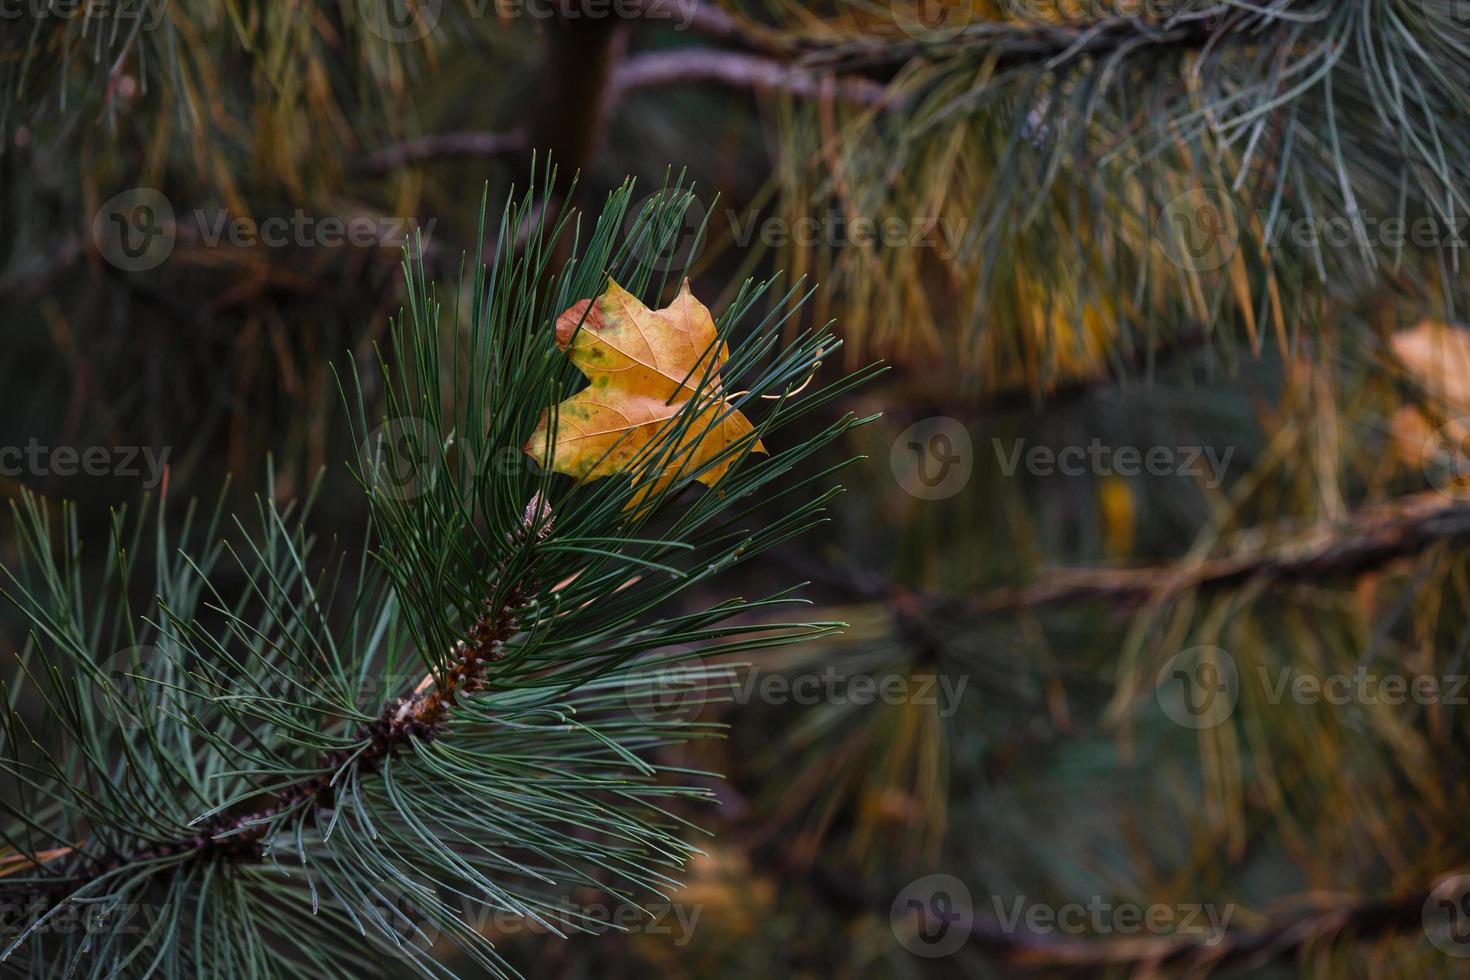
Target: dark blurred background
[{"x": 1004, "y": 764}]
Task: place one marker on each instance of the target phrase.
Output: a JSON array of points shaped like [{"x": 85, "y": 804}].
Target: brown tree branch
[
  {"x": 746, "y": 72},
  {"x": 1189, "y": 955},
  {"x": 1365, "y": 540},
  {"x": 641, "y": 73},
  {"x": 1020, "y": 44},
  {"x": 1180, "y": 954},
  {"x": 718, "y": 24}
]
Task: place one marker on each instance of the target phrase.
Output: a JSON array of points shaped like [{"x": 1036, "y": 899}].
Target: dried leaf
[
  {"x": 1438, "y": 357},
  {"x": 644, "y": 366}
]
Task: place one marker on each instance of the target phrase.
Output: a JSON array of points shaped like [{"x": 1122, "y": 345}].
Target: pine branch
[
  {"x": 1364, "y": 541},
  {"x": 744, "y": 72},
  {"x": 1020, "y": 43},
  {"x": 418, "y": 717},
  {"x": 184, "y": 790}
]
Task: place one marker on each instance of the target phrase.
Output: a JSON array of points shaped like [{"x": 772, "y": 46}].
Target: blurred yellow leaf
[
  {"x": 1437, "y": 356},
  {"x": 1115, "y": 503}
]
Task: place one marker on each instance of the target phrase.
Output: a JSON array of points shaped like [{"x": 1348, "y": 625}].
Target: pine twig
[{"x": 420, "y": 716}]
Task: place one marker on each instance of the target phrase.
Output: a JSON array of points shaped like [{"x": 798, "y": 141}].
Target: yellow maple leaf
[{"x": 644, "y": 367}]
